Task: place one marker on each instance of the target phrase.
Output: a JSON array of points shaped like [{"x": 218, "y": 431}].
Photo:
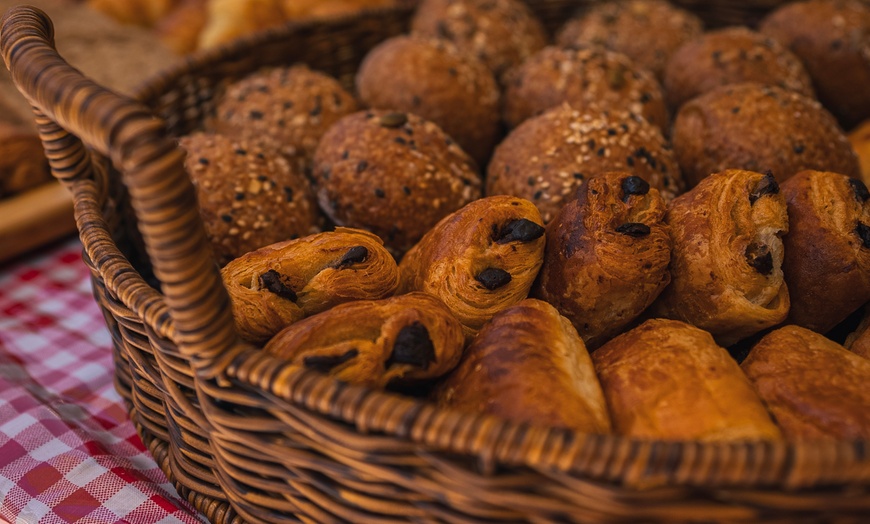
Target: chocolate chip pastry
[
  {"x": 401, "y": 340},
  {"x": 478, "y": 260},
  {"x": 607, "y": 256},
  {"x": 529, "y": 365},
  {"x": 726, "y": 263},
  {"x": 666, "y": 380},
  {"x": 278, "y": 285},
  {"x": 814, "y": 388},
  {"x": 827, "y": 249}
]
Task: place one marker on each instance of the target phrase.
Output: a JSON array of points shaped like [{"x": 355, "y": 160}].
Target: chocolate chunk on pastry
[
  {"x": 400, "y": 341},
  {"x": 277, "y": 285},
  {"x": 814, "y": 388},
  {"x": 668, "y": 380},
  {"x": 607, "y": 256},
  {"x": 726, "y": 263},
  {"x": 529, "y": 365},
  {"x": 827, "y": 249},
  {"x": 478, "y": 260}
]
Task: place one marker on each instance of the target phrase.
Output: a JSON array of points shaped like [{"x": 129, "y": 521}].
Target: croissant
[
  {"x": 668, "y": 380},
  {"x": 726, "y": 263},
  {"x": 275, "y": 286},
  {"x": 814, "y": 388},
  {"x": 400, "y": 340},
  {"x": 827, "y": 249},
  {"x": 529, "y": 365},
  {"x": 478, "y": 260},
  {"x": 607, "y": 255}
]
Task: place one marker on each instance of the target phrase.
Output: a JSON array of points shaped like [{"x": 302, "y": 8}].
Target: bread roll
[
  {"x": 529, "y": 365},
  {"x": 858, "y": 341},
  {"x": 667, "y": 380},
  {"x": 726, "y": 263},
  {"x": 813, "y": 387}
]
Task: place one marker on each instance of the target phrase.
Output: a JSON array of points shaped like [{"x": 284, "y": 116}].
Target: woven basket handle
[{"x": 153, "y": 169}]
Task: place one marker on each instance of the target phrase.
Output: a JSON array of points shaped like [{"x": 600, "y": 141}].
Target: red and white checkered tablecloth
[{"x": 68, "y": 451}]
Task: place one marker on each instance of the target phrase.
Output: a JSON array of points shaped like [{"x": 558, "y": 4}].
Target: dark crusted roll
[
  {"x": 607, "y": 256},
  {"x": 726, "y": 263},
  {"x": 401, "y": 340},
  {"x": 813, "y": 387},
  {"x": 827, "y": 249},
  {"x": 529, "y": 365},
  {"x": 478, "y": 260},
  {"x": 279, "y": 284},
  {"x": 667, "y": 380}
]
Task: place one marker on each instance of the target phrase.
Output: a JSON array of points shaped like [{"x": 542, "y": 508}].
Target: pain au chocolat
[
  {"x": 726, "y": 263},
  {"x": 607, "y": 255},
  {"x": 275, "y": 286}
]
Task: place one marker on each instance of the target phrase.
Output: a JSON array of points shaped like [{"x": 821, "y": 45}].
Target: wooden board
[{"x": 34, "y": 218}]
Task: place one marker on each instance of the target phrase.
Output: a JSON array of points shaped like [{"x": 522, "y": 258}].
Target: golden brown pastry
[
  {"x": 288, "y": 108},
  {"x": 758, "y": 128},
  {"x": 730, "y": 56},
  {"x": 646, "y": 31},
  {"x": 586, "y": 79},
  {"x": 607, "y": 255},
  {"x": 400, "y": 340},
  {"x": 138, "y": 12},
  {"x": 831, "y": 37},
  {"x": 813, "y": 387},
  {"x": 860, "y": 140},
  {"x": 433, "y": 79},
  {"x": 501, "y": 33},
  {"x": 529, "y": 365},
  {"x": 179, "y": 30},
  {"x": 22, "y": 160},
  {"x": 667, "y": 380},
  {"x": 858, "y": 342},
  {"x": 548, "y": 157},
  {"x": 274, "y": 286},
  {"x": 394, "y": 174},
  {"x": 726, "y": 263},
  {"x": 249, "y": 196},
  {"x": 827, "y": 249},
  {"x": 478, "y": 260}
]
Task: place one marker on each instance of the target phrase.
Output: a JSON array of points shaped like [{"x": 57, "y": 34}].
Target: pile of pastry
[{"x": 653, "y": 196}]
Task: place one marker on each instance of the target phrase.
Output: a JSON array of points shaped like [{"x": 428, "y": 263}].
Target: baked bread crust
[
  {"x": 478, "y": 260},
  {"x": 858, "y": 341},
  {"x": 668, "y": 380},
  {"x": 827, "y": 249},
  {"x": 726, "y": 263},
  {"x": 529, "y": 365},
  {"x": 277, "y": 285},
  {"x": 401, "y": 340},
  {"x": 814, "y": 388},
  {"x": 607, "y": 256}
]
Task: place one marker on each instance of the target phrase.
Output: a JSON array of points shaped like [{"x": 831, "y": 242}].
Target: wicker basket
[{"x": 247, "y": 438}]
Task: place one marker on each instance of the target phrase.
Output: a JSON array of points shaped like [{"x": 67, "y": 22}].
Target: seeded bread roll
[
  {"x": 860, "y": 140},
  {"x": 529, "y": 365},
  {"x": 814, "y": 388},
  {"x": 731, "y": 56},
  {"x": 827, "y": 249},
  {"x": 586, "y": 79},
  {"x": 289, "y": 107},
  {"x": 607, "y": 256},
  {"x": 501, "y": 33},
  {"x": 478, "y": 260},
  {"x": 548, "y": 157},
  {"x": 726, "y": 263},
  {"x": 832, "y": 38},
  {"x": 433, "y": 79},
  {"x": 401, "y": 340},
  {"x": 667, "y": 380},
  {"x": 858, "y": 342},
  {"x": 249, "y": 196},
  {"x": 277, "y": 285},
  {"x": 758, "y": 128},
  {"x": 646, "y": 31},
  {"x": 394, "y": 174}
]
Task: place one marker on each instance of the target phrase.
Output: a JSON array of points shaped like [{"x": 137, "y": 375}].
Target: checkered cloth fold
[{"x": 68, "y": 451}]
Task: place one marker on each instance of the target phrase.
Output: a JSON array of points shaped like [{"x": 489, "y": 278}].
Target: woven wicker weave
[{"x": 246, "y": 437}]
